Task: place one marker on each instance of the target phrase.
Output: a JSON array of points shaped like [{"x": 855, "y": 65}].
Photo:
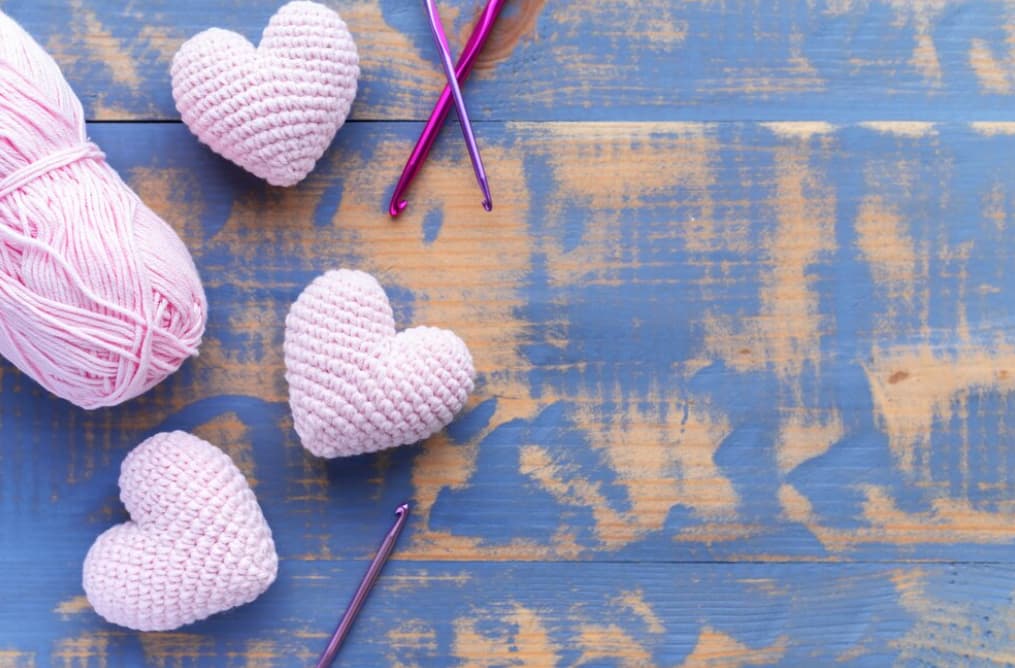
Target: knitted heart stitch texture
[
  {"x": 197, "y": 542},
  {"x": 275, "y": 109},
  {"x": 355, "y": 386}
]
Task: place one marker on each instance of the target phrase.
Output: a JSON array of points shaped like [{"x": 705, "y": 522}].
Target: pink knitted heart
[
  {"x": 196, "y": 543},
  {"x": 272, "y": 110},
  {"x": 354, "y": 385}
]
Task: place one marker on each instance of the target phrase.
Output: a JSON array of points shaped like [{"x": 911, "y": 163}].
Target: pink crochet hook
[
  {"x": 365, "y": 585},
  {"x": 473, "y": 47}
]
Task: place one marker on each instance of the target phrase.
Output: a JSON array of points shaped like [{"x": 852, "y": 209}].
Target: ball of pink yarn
[
  {"x": 197, "y": 542},
  {"x": 99, "y": 298}
]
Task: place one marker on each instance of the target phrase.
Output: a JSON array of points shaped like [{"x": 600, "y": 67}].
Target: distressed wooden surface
[
  {"x": 602, "y": 60},
  {"x": 741, "y": 318}
]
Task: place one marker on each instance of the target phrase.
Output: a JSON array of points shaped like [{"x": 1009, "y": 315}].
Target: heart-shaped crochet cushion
[
  {"x": 272, "y": 110},
  {"x": 197, "y": 542},
  {"x": 355, "y": 385}
]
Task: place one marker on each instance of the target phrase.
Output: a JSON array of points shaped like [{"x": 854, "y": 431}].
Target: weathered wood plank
[
  {"x": 616, "y": 60},
  {"x": 764, "y": 346},
  {"x": 734, "y": 341},
  {"x": 618, "y": 614}
]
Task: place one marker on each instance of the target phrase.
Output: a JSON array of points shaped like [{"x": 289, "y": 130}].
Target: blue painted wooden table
[{"x": 742, "y": 320}]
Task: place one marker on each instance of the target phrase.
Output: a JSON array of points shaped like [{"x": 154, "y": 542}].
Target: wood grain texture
[
  {"x": 743, "y": 385},
  {"x": 678, "y": 615},
  {"x": 605, "y": 60}
]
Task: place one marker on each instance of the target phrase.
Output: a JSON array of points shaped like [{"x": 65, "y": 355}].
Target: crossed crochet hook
[
  {"x": 365, "y": 585},
  {"x": 452, "y": 94}
]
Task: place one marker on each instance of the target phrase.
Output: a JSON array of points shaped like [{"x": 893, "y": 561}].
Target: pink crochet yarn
[
  {"x": 99, "y": 299},
  {"x": 354, "y": 385},
  {"x": 196, "y": 543},
  {"x": 275, "y": 109}
]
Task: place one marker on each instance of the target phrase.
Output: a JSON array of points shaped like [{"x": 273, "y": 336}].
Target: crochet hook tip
[
  {"x": 396, "y": 207},
  {"x": 402, "y": 510},
  {"x": 484, "y": 185}
]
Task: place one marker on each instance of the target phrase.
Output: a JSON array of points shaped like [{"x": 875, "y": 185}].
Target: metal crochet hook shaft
[
  {"x": 477, "y": 40},
  {"x": 365, "y": 585},
  {"x": 463, "y": 114}
]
